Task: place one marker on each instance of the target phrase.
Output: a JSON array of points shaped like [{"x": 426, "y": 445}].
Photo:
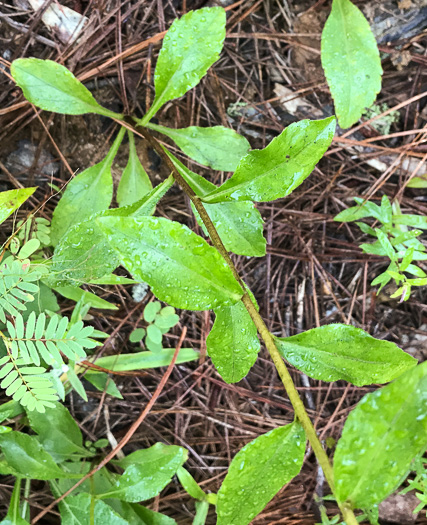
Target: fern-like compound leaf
[
  {"x": 41, "y": 339},
  {"x": 29, "y": 385},
  {"x": 17, "y": 286}
]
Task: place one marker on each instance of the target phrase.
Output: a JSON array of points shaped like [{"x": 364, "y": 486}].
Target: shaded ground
[{"x": 314, "y": 273}]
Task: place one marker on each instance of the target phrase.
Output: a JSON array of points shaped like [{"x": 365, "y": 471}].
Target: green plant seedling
[
  {"x": 386, "y": 430},
  {"x": 160, "y": 321},
  {"x": 395, "y": 240}
]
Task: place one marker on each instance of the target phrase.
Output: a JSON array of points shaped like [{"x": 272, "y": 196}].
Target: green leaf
[
  {"x": 353, "y": 214},
  {"x": 144, "y": 360},
  {"x": 58, "y": 433},
  {"x": 190, "y": 485},
  {"x": 28, "y": 249},
  {"x": 76, "y": 510},
  {"x": 44, "y": 301},
  {"x": 147, "y": 472},
  {"x": 154, "y": 333},
  {"x": 416, "y": 221},
  {"x": 136, "y": 514},
  {"x": 89, "y": 192},
  {"x": 386, "y": 210},
  {"x": 258, "y": 471},
  {"x": 151, "y": 310},
  {"x": 166, "y": 322},
  {"x": 9, "y": 410},
  {"x": 386, "y": 244},
  {"x": 202, "y": 509},
  {"x": 12, "y": 200},
  {"x": 52, "y": 87},
  {"x": 102, "y": 381},
  {"x": 84, "y": 254},
  {"x": 77, "y": 294},
  {"x": 233, "y": 343},
  {"x": 218, "y": 147},
  {"x": 13, "y": 516},
  {"x": 113, "y": 279},
  {"x": 338, "y": 351},
  {"x": 17, "y": 284},
  {"x": 275, "y": 171},
  {"x": 381, "y": 437},
  {"x": 75, "y": 382},
  {"x": 190, "y": 47},
  {"x": 134, "y": 183},
  {"x": 137, "y": 335},
  {"x": 25, "y": 455},
  {"x": 404, "y": 237},
  {"x": 239, "y": 224},
  {"x": 182, "y": 268},
  {"x": 351, "y": 61},
  {"x": 417, "y": 182}
]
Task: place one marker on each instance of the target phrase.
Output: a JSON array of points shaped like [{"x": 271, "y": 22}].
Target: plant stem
[{"x": 298, "y": 405}]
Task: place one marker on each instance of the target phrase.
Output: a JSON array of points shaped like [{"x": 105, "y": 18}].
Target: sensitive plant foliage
[
  {"x": 187, "y": 272},
  {"x": 30, "y": 345},
  {"x": 395, "y": 240},
  {"x": 351, "y": 61},
  {"x": 32, "y": 228}
]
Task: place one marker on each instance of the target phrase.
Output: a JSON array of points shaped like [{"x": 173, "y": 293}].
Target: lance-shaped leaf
[
  {"x": 27, "y": 457},
  {"x": 218, "y": 147},
  {"x": 77, "y": 510},
  {"x": 381, "y": 437},
  {"x": 338, "y": 351},
  {"x": 147, "y": 472},
  {"x": 275, "y": 171},
  {"x": 13, "y": 516},
  {"x": 144, "y": 360},
  {"x": 192, "y": 44},
  {"x": 136, "y": 514},
  {"x": 233, "y": 343},
  {"x": 258, "y": 472},
  {"x": 52, "y": 87},
  {"x": 351, "y": 61},
  {"x": 12, "y": 200},
  {"x": 89, "y": 298},
  {"x": 239, "y": 224},
  {"x": 181, "y": 267},
  {"x": 84, "y": 254},
  {"x": 134, "y": 183},
  {"x": 89, "y": 192}
]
